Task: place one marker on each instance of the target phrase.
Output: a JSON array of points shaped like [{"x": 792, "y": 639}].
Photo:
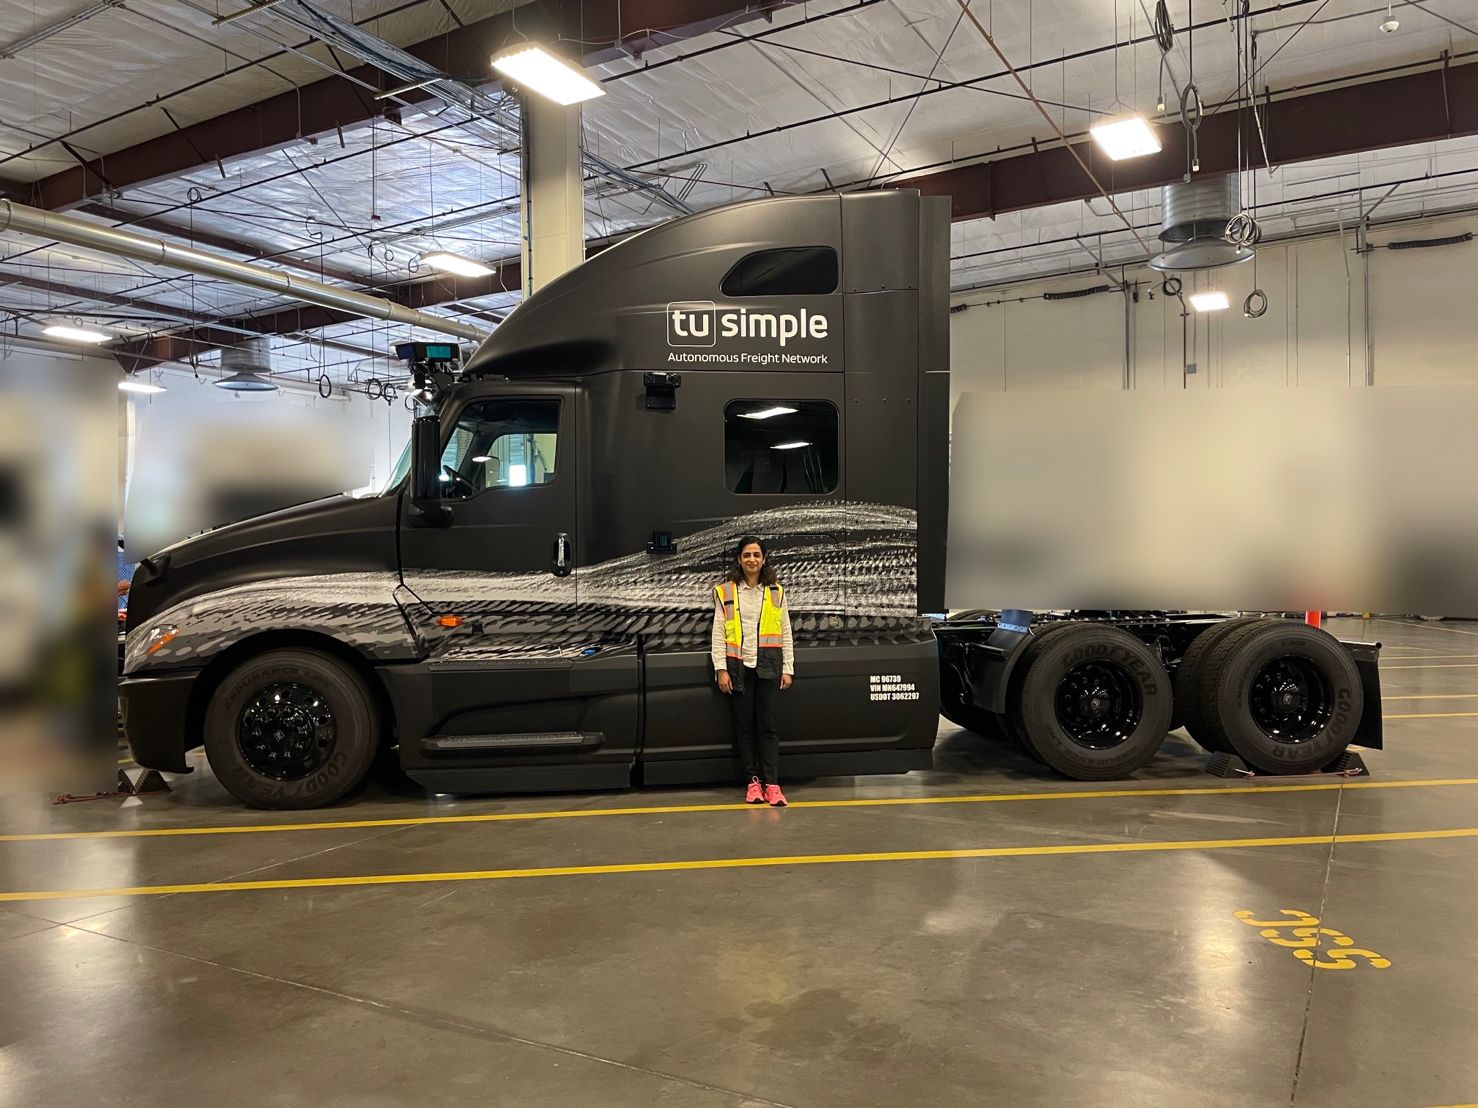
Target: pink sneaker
[
  {"x": 774, "y": 797},
  {"x": 755, "y": 794}
]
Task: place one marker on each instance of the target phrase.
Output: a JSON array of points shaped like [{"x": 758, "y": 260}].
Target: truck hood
[{"x": 337, "y": 534}]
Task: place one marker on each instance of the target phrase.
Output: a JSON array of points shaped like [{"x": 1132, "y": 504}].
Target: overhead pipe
[{"x": 126, "y": 244}]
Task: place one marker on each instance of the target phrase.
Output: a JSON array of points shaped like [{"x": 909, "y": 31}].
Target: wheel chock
[
  {"x": 143, "y": 781},
  {"x": 1348, "y": 764},
  {"x": 1228, "y": 765}
]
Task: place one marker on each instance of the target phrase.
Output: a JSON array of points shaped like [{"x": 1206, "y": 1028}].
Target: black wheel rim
[
  {"x": 1290, "y": 700},
  {"x": 1099, "y": 705},
  {"x": 286, "y": 731}
]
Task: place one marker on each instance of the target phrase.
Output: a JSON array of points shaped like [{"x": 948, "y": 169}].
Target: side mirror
[{"x": 425, "y": 470}]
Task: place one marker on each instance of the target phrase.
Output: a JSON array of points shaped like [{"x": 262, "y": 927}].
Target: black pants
[{"x": 755, "y": 736}]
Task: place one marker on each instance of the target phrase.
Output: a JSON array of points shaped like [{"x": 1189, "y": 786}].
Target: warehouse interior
[{"x": 220, "y": 219}]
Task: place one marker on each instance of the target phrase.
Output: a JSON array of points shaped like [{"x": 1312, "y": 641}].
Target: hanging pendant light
[{"x": 245, "y": 366}]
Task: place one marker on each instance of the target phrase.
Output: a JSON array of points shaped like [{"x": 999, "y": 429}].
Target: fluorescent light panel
[
  {"x": 1211, "y": 301},
  {"x": 537, "y": 70},
  {"x": 768, "y": 413},
  {"x": 455, "y": 263},
  {"x": 789, "y": 445},
  {"x": 131, "y": 385},
  {"x": 74, "y": 334},
  {"x": 1125, "y": 137}
]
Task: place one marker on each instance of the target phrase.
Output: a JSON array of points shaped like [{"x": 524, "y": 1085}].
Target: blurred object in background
[
  {"x": 58, "y": 528},
  {"x": 200, "y": 463},
  {"x": 1216, "y": 500}
]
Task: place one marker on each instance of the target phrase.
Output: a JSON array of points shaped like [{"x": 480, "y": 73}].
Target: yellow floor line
[
  {"x": 1435, "y": 696},
  {"x": 1426, "y": 626},
  {"x": 674, "y": 809},
  {"x": 1425, "y": 715},
  {"x": 740, "y": 863},
  {"x": 1433, "y": 657},
  {"x": 1445, "y": 665}
]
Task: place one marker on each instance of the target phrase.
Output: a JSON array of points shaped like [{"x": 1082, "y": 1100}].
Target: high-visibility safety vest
[{"x": 769, "y": 655}]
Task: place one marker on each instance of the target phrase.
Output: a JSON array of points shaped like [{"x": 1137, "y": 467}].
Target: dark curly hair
[{"x": 735, "y": 572}]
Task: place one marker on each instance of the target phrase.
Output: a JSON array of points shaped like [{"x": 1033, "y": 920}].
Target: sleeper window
[
  {"x": 793, "y": 271},
  {"x": 780, "y": 446}
]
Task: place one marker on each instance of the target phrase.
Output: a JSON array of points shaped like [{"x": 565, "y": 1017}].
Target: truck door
[{"x": 522, "y": 694}]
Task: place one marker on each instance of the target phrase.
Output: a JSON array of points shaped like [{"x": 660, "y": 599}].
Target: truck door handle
[{"x": 562, "y": 557}]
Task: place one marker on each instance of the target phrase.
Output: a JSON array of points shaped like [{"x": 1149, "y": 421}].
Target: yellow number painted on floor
[
  {"x": 1300, "y": 919},
  {"x": 1343, "y": 959},
  {"x": 1339, "y": 951},
  {"x": 1307, "y": 936}
]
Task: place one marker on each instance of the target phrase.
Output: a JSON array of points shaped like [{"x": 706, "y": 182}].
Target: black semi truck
[{"x": 528, "y": 604}]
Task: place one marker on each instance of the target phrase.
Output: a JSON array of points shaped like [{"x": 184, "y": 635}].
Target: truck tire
[
  {"x": 1095, "y": 702},
  {"x": 1283, "y": 696},
  {"x": 1188, "y": 678},
  {"x": 291, "y": 729},
  {"x": 1012, "y": 718}
]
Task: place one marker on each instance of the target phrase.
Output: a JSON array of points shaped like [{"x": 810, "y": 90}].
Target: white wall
[
  {"x": 1422, "y": 322},
  {"x": 380, "y": 429}
]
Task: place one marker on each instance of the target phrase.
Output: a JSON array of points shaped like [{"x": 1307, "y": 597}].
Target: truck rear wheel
[
  {"x": 1188, "y": 678},
  {"x": 1285, "y": 697},
  {"x": 1094, "y": 703},
  {"x": 1013, "y": 721},
  {"x": 291, "y": 729}
]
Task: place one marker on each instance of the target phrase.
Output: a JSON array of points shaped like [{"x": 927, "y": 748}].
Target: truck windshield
[{"x": 402, "y": 467}]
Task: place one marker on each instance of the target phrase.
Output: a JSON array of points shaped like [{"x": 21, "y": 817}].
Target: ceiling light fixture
[
  {"x": 245, "y": 382},
  {"x": 1213, "y": 300},
  {"x": 132, "y": 384},
  {"x": 537, "y": 70},
  {"x": 768, "y": 413},
  {"x": 1125, "y": 137},
  {"x": 789, "y": 445},
  {"x": 75, "y": 334},
  {"x": 1391, "y": 24},
  {"x": 455, "y": 263}
]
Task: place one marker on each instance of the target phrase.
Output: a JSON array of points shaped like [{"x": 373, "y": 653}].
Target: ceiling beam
[
  {"x": 1395, "y": 111},
  {"x": 319, "y": 108}
]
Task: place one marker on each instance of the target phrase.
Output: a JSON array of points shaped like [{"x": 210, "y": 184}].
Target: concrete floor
[{"x": 1109, "y": 978}]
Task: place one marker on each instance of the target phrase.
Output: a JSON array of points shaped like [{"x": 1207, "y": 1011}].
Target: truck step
[{"x": 528, "y": 740}]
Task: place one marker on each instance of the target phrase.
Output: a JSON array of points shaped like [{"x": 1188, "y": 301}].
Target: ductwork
[
  {"x": 1193, "y": 220},
  {"x": 126, "y": 244}
]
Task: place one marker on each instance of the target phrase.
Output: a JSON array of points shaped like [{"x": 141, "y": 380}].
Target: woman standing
[{"x": 754, "y": 658}]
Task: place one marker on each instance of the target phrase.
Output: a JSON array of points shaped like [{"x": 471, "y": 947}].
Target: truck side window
[
  {"x": 501, "y": 444},
  {"x": 780, "y": 446},
  {"x": 793, "y": 271}
]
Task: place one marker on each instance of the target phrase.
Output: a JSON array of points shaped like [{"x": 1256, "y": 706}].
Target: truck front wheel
[{"x": 291, "y": 729}]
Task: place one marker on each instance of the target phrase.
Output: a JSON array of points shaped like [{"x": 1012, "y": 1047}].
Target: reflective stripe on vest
[{"x": 772, "y": 626}]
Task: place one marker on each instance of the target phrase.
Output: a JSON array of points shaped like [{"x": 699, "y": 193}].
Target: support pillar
[{"x": 552, "y": 218}]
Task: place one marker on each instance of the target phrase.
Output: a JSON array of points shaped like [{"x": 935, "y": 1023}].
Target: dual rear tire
[
  {"x": 1284, "y": 697},
  {"x": 1094, "y": 703},
  {"x": 1091, "y": 701}
]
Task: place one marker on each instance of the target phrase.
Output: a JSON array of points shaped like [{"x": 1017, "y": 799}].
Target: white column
[{"x": 553, "y": 211}]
